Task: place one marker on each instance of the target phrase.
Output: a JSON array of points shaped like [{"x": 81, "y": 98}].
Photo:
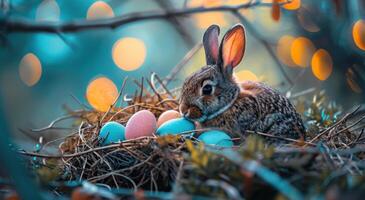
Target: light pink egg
[
  {"x": 142, "y": 123},
  {"x": 166, "y": 116}
]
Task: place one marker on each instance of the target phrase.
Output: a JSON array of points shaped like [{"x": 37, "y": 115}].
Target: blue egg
[
  {"x": 112, "y": 132},
  {"x": 175, "y": 126},
  {"x": 216, "y": 137}
]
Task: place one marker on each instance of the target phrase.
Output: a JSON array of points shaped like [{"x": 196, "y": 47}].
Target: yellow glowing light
[
  {"x": 283, "y": 50},
  {"x": 48, "y": 10},
  {"x": 99, "y": 10},
  {"x": 358, "y": 33},
  {"x": 293, "y": 5},
  {"x": 322, "y": 64},
  {"x": 301, "y": 51},
  {"x": 30, "y": 69},
  {"x": 129, "y": 53},
  {"x": 212, "y": 3},
  {"x": 101, "y": 93},
  {"x": 245, "y": 75},
  {"x": 236, "y": 2},
  {"x": 204, "y": 20}
]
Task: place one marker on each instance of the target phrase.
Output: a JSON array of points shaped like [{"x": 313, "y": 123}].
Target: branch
[{"x": 78, "y": 25}]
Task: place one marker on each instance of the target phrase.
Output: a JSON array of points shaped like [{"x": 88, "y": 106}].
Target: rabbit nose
[{"x": 193, "y": 113}]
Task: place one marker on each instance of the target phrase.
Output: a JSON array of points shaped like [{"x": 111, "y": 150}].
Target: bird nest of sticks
[
  {"x": 149, "y": 163},
  {"x": 333, "y": 148}
]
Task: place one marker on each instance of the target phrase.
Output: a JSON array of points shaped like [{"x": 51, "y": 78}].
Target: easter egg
[
  {"x": 166, "y": 116},
  {"x": 112, "y": 132},
  {"x": 216, "y": 137},
  {"x": 142, "y": 123},
  {"x": 175, "y": 126}
]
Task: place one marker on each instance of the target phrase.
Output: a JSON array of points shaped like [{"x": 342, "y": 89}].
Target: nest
[
  {"x": 148, "y": 163},
  {"x": 332, "y": 151}
]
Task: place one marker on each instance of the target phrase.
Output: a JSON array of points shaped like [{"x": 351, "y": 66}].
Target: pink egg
[
  {"x": 142, "y": 123},
  {"x": 166, "y": 116}
]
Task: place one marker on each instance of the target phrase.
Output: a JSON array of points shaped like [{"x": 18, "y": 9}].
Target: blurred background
[{"x": 291, "y": 45}]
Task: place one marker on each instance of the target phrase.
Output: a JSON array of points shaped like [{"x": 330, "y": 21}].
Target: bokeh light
[
  {"x": 358, "y": 33},
  {"x": 30, "y": 69},
  {"x": 302, "y": 50},
  {"x": 283, "y": 50},
  {"x": 204, "y": 20},
  {"x": 99, "y": 10},
  {"x": 293, "y": 5},
  {"x": 236, "y": 2},
  {"x": 48, "y": 10},
  {"x": 129, "y": 53},
  {"x": 322, "y": 64},
  {"x": 245, "y": 75},
  {"x": 101, "y": 93}
]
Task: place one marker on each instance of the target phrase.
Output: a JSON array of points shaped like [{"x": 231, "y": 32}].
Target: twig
[
  {"x": 115, "y": 101},
  {"x": 182, "y": 63},
  {"x": 78, "y": 25},
  {"x": 334, "y": 125},
  {"x": 281, "y": 138},
  {"x": 51, "y": 125}
]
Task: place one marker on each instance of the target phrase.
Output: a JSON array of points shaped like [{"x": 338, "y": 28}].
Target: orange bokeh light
[
  {"x": 30, "y": 69},
  {"x": 129, "y": 53},
  {"x": 101, "y": 93},
  {"x": 99, "y": 10},
  {"x": 358, "y": 34},
  {"x": 245, "y": 75},
  {"x": 301, "y": 51},
  {"x": 283, "y": 50},
  {"x": 204, "y": 20},
  {"x": 293, "y": 5},
  {"x": 322, "y": 64}
]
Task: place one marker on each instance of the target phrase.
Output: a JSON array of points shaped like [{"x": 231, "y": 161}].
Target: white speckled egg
[
  {"x": 142, "y": 123},
  {"x": 112, "y": 132},
  {"x": 215, "y": 137},
  {"x": 175, "y": 126},
  {"x": 166, "y": 116}
]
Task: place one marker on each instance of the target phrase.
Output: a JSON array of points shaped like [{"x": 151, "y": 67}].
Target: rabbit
[{"x": 212, "y": 98}]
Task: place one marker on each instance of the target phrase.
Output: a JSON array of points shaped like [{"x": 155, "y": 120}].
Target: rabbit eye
[{"x": 207, "y": 89}]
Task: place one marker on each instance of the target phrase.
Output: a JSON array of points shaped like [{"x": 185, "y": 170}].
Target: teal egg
[
  {"x": 175, "y": 126},
  {"x": 216, "y": 137},
  {"x": 112, "y": 132}
]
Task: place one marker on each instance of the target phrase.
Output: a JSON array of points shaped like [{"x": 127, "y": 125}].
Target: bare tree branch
[{"x": 9, "y": 25}]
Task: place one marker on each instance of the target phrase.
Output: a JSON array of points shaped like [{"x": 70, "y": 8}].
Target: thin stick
[
  {"x": 334, "y": 125},
  {"x": 78, "y": 25},
  {"x": 116, "y": 100},
  {"x": 281, "y": 138},
  {"x": 182, "y": 63}
]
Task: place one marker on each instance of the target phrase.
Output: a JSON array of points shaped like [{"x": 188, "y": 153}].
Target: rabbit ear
[
  {"x": 211, "y": 44},
  {"x": 232, "y": 48}
]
